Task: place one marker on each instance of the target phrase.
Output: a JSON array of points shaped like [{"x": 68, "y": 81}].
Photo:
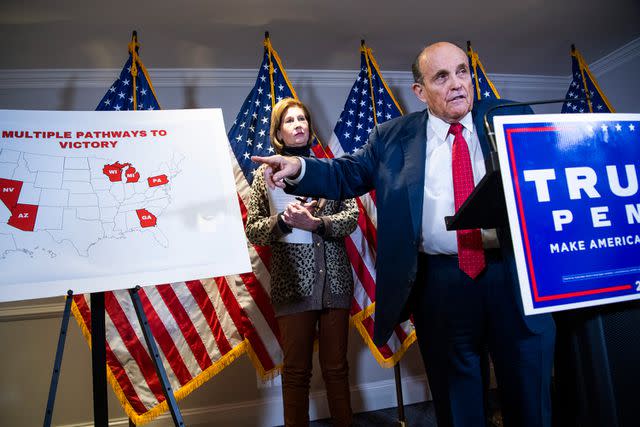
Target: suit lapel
[{"x": 414, "y": 146}]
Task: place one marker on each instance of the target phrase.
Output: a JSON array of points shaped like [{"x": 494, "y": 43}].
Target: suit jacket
[{"x": 392, "y": 163}]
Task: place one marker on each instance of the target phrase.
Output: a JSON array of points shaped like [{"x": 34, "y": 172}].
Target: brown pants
[{"x": 298, "y": 332}]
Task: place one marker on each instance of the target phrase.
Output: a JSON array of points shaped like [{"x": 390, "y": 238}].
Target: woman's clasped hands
[{"x": 300, "y": 215}]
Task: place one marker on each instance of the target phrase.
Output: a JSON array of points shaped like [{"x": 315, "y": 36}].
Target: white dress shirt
[{"x": 438, "y": 186}]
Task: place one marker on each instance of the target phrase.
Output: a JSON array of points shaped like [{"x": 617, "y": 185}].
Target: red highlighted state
[
  {"x": 114, "y": 171},
  {"x": 23, "y": 217},
  {"x": 132, "y": 175},
  {"x": 155, "y": 181},
  {"x": 147, "y": 219},
  {"x": 9, "y": 192}
]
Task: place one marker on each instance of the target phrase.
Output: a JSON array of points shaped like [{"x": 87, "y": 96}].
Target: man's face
[{"x": 446, "y": 82}]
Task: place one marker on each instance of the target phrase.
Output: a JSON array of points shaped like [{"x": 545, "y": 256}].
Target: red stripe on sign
[
  {"x": 384, "y": 350},
  {"x": 182, "y": 318},
  {"x": 165, "y": 341},
  {"x": 523, "y": 223},
  {"x": 584, "y": 293},
  {"x": 208, "y": 311},
  {"x": 136, "y": 349},
  {"x": 243, "y": 323},
  {"x": 360, "y": 268}
]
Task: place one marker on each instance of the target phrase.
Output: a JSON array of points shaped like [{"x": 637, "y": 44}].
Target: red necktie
[{"x": 470, "y": 252}]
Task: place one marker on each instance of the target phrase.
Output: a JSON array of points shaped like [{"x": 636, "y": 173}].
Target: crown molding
[
  {"x": 180, "y": 77},
  {"x": 31, "y": 310},
  {"x": 245, "y": 78},
  {"x": 212, "y": 77},
  {"x": 530, "y": 81},
  {"x": 617, "y": 58}
]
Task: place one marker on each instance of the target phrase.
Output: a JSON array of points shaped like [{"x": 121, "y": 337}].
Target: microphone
[{"x": 491, "y": 162}]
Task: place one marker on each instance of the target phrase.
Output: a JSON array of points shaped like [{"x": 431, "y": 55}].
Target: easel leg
[
  {"x": 99, "y": 361},
  {"x": 401, "y": 418},
  {"x": 48, "y": 415},
  {"x": 155, "y": 356}
]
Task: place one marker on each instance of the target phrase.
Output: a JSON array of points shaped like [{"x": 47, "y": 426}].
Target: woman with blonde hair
[{"x": 311, "y": 279}]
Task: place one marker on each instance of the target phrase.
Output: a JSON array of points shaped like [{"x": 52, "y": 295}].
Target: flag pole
[
  {"x": 396, "y": 367},
  {"x": 366, "y": 50},
  {"x": 474, "y": 68},
  {"x": 581, "y": 66},
  {"x": 267, "y": 48},
  {"x": 133, "y": 50},
  {"x": 402, "y": 421}
]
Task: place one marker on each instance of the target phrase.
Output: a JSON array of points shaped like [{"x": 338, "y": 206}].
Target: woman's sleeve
[
  {"x": 262, "y": 227},
  {"x": 343, "y": 222}
]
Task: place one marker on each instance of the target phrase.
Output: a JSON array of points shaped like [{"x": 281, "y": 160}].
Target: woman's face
[{"x": 294, "y": 128}]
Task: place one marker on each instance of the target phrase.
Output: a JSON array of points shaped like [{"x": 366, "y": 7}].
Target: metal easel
[{"x": 99, "y": 360}]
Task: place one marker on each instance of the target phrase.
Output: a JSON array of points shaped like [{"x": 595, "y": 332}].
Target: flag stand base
[{"x": 402, "y": 422}]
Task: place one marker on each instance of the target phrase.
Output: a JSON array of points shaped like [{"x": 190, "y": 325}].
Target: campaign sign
[{"x": 571, "y": 188}]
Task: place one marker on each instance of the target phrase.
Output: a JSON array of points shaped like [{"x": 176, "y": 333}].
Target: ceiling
[{"x": 511, "y": 36}]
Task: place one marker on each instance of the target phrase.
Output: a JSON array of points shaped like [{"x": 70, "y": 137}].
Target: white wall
[{"x": 28, "y": 331}]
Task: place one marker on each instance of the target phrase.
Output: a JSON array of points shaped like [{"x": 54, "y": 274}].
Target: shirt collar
[{"x": 441, "y": 128}]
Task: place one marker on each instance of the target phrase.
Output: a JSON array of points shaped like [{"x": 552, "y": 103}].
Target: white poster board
[{"x": 96, "y": 201}]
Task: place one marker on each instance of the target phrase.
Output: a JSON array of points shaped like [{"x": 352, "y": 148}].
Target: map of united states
[{"x": 78, "y": 201}]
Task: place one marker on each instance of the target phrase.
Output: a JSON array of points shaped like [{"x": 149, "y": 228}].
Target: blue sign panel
[{"x": 571, "y": 187}]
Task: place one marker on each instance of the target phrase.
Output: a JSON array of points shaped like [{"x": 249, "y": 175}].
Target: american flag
[
  {"x": 369, "y": 103},
  {"x": 249, "y": 136},
  {"x": 584, "y": 85},
  {"x": 200, "y": 326},
  {"x": 481, "y": 83},
  {"x": 132, "y": 90}
]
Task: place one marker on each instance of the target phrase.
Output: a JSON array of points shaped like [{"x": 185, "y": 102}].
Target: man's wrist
[{"x": 296, "y": 178}]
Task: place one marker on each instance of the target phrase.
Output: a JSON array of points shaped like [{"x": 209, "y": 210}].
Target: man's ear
[{"x": 419, "y": 90}]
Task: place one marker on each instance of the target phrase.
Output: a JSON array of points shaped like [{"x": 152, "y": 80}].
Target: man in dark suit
[{"x": 459, "y": 286}]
